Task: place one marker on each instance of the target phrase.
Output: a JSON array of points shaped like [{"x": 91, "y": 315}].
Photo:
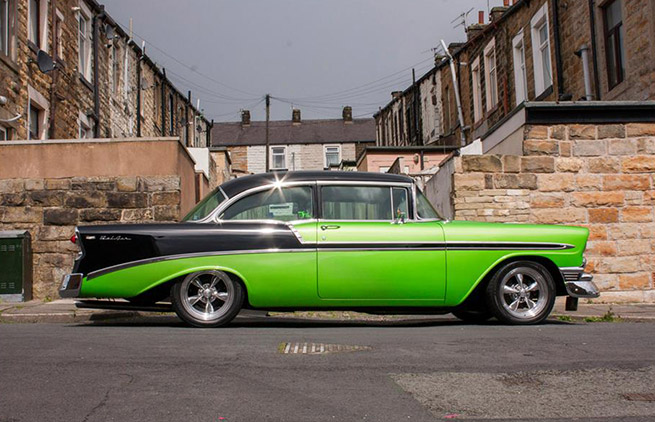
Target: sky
[{"x": 315, "y": 55}]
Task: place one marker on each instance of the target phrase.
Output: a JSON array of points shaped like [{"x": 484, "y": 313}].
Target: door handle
[{"x": 330, "y": 227}]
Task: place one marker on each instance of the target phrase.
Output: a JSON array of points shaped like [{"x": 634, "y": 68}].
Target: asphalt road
[{"x": 425, "y": 370}]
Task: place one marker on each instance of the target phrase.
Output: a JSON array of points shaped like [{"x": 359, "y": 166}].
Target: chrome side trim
[
  {"x": 463, "y": 245},
  {"x": 295, "y": 233},
  {"x": 130, "y": 264}
]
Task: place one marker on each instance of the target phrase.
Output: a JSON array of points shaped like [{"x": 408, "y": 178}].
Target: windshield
[
  {"x": 424, "y": 208},
  {"x": 206, "y": 206}
]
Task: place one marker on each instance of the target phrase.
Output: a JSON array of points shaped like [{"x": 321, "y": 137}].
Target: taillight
[{"x": 74, "y": 238}]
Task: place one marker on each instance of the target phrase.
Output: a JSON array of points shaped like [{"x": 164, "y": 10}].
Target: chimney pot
[
  {"x": 506, "y": 3},
  {"x": 295, "y": 116},
  {"x": 245, "y": 117},
  {"x": 481, "y": 17},
  {"x": 347, "y": 114}
]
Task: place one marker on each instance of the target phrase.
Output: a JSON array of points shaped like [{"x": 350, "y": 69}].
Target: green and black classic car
[{"x": 328, "y": 240}]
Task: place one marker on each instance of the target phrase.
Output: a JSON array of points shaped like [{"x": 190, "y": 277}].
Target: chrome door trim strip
[{"x": 130, "y": 264}]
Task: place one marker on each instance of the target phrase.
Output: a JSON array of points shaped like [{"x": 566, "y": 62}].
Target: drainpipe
[
  {"x": 209, "y": 133},
  {"x": 55, "y": 72},
  {"x": 460, "y": 114},
  {"x": 96, "y": 71},
  {"x": 186, "y": 118},
  {"x": 163, "y": 103},
  {"x": 138, "y": 95},
  {"x": 594, "y": 47},
  {"x": 583, "y": 53},
  {"x": 558, "y": 52}
]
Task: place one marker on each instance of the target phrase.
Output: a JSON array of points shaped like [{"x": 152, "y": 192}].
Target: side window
[
  {"x": 400, "y": 202},
  {"x": 424, "y": 208},
  {"x": 356, "y": 203},
  {"x": 282, "y": 204}
]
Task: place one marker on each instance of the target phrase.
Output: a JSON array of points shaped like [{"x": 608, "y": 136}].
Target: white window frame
[
  {"x": 283, "y": 154},
  {"x": 41, "y": 103},
  {"x": 491, "y": 74},
  {"x": 4, "y": 131},
  {"x": 476, "y": 77},
  {"x": 541, "y": 81},
  {"x": 126, "y": 73},
  {"x": 59, "y": 48},
  {"x": 85, "y": 126},
  {"x": 84, "y": 63},
  {"x": 325, "y": 152},
  {"x": 42, "y": 42},
  {"x": 520, "y": 68}
]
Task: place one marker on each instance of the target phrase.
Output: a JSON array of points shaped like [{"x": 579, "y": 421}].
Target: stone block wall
[
  {"x": 51, "y": 208},
  {"x": 597, "y": 176}
]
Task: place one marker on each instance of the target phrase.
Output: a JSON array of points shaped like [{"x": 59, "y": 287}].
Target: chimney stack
[
  {"x": 497, "y": 13},
  {"x": 295, "y": 116},
  {"x": 245, "y": 118},
  {"x": 396, "y": 94},
  {"x": 347, "y": 114}
]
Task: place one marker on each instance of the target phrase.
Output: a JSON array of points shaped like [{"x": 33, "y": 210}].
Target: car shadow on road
[{"x": 303, "y": 323}]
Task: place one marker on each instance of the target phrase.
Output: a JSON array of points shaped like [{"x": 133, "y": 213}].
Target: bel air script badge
[{"x": 116, "y": 238}]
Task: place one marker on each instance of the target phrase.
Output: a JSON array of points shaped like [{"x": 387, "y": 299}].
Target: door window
[
  {"x": 356, "y": 203},
  {"x": 400, "y": 202},
  {"x": 282, "y": 204}
]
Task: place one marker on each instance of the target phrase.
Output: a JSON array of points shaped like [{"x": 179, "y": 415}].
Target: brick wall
[
  {"x": 50, "y": 209},
  {"x": 597, "y": 176}
]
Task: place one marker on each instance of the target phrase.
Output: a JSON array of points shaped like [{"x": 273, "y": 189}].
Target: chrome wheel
[
  {"x": 523, "y": 292},
  {"x": 207, "y": 295}
]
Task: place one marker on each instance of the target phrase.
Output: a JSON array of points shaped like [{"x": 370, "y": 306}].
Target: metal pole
[
  {"x": 460, "y": 114},
  {"x": 268, "y": 118}
]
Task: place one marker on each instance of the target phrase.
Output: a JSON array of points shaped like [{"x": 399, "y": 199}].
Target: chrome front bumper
[
  {"x": 578, "y": 283},
  {"x": 71, "y": 285}
]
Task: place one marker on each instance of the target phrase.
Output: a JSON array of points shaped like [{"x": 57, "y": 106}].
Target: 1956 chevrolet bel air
[{"x": 329, "y": 240}]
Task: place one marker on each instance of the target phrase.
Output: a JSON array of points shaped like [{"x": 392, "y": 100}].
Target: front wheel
[
  {"x": 521, "y": 293},
  {"x": 207, "y": 298}
]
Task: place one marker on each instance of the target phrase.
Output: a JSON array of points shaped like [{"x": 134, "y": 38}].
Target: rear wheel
[
  {"x": 207, "y": 298},
  {"x": 521, "y": 293}
]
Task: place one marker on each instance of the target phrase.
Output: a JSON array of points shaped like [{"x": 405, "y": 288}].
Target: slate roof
[{"x": 284, "y": 132}]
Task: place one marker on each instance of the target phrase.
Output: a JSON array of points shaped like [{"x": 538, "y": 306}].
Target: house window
[
  {"x": 614, "y": 51},
  {"x": 59, "y": 31},
  {"x": 477, "y": 90},
  {"x": 171, "y": 114},
  {"x": 86, "y": 126},
  {"x": 6, "y": 27},
  {"x": 520, "y": 73},
  {"x": 84, "y": 35},
  {"x": 278, "y": 158},
  {"x": 4, "y": 133},
  {"x": 34, "y": 22},
  {"x": 37, "y": 118},
  {"x": 543, "y": 78},
  {"x": 34, "y": 123},
  {"x": 490, "y": 76},
  {"x": 115, "y": 75},
  {"x": 332, "y": 156}
]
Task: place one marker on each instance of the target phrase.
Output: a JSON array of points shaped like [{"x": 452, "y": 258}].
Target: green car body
[{"x": 406, "y": 261}]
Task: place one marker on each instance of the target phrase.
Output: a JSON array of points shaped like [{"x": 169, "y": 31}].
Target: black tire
[
  {"x": 521, "y": 293},
  {"x": 473, "y": 315},
  {"x": 191, "y": 294}
]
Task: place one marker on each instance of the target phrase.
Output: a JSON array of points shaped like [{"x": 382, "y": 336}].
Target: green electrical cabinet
[{"x": 15, "y": 266}]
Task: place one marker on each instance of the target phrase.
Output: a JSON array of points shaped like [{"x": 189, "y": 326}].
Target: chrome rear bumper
[
  {"x": 71, "y": 285},
  {"x": 578, "y": 283}
]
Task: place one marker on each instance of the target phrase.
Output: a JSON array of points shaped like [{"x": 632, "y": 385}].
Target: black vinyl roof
[{"x": 236, "y": 186}]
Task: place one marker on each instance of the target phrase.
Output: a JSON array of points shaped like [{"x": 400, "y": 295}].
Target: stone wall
[
  {"x": 51, "y": 208},
  {"x": 597, "y": 176}
]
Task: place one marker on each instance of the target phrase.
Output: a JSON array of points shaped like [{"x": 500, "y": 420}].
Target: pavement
[
  {"x": 263, "y": 369},
  {"x": 64, "y": 311}
]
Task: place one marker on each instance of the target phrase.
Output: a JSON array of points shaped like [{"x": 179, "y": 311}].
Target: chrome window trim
[{"x": 214, "y": 215}]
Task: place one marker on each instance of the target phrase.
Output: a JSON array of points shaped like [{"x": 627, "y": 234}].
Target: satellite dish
[
  {"x": 44, "y": 61},
  {"x": 109, "y": 32}
]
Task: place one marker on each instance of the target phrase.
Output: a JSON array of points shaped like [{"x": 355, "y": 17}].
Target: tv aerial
[{"x": 461, "y": 18}]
